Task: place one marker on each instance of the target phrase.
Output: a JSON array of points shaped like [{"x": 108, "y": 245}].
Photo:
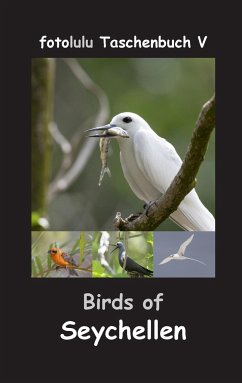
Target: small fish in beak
[
  {"x": 104, "y": 145},
  {"x": 117, "y": 132},
  {"x": 109, "y": 131}
]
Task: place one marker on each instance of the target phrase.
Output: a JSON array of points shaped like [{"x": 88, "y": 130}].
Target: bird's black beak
[
  {"x": 115, "y": 248},
  {"x": 110, "y": 131},
  {"x": 104, "y": 127}
]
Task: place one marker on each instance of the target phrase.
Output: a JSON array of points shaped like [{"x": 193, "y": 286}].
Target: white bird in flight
[
  {"x": 179, "y": 256},
  {"x": 149, "y": 164}
]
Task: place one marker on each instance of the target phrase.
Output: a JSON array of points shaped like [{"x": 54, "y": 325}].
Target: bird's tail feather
[
  {"x": 73, "y": 272},
  {"x": 192, "y": 215},
  {"x": 147, "y": 271}
]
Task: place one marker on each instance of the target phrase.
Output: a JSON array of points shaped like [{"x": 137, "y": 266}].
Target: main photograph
[{"x": 123, "y": 144}]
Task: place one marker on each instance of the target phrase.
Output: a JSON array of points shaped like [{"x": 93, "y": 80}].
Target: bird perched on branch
[
  {"x": 63, "y": 259},
  {"x": 180, "y": 253},
  {"x": 131, "y": 266},
  {"x": 149, "y": 164}
]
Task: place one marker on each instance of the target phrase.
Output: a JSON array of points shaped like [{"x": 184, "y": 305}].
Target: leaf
[
  {"x": 95, "y": 242},
  {"x": 34, "y": 218},
  {"x": 97, "y": 267},
  {"x": 38, "y": 222},
  {"x": 76, "y": 245},
  {"x": 64, "y": 244},
  {"x": 34, "y": 271},
  {"x": 48, "y": 262},
  {"x": 103, "y": 275},
  {"x": 98, "y": 271},
  {"x": 39, "y": 264},
  {"x": 54, "y": 244},
  {"x": 37, "y": 238},
  {"x": 73, "y": 252},
  {"x": 82, "y": 246}
]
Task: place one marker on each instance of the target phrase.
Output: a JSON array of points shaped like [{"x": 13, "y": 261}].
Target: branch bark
[{"x": 183, "y": 182}]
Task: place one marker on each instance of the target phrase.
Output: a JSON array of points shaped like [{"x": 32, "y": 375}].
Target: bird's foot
[
  {"x": 132, "y": 217},
  {"x": 120, "y": 222},
  {"x": 148, "y": 205},
  {"x": 134, "y": 274}
]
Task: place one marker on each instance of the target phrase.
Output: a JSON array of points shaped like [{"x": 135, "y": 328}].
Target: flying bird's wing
[
  {"x": 165, "y": 260},
  {"x": 183, "y": 246},
  {"x": 193, "y": 259}
]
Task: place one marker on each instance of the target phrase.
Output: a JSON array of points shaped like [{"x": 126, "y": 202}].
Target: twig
[
  {"x": 69, "y": 267},
  {"x": 64, "y": 181},
  {"x": 183, "y": 182},
  {"x": 59, "y": 138}
]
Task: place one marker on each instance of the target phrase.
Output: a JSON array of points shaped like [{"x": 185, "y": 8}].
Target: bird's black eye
[{"x": 127, "y": 119}]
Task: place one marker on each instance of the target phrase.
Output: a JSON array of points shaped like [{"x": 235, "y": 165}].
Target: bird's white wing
[
  {"x": 196, "y": 260},
  {"x": 159, "y": 163},
  {"x": 157, "y": 159},
  {"x": 165, "y": 260},
  {"x": 183, "y": 246}
]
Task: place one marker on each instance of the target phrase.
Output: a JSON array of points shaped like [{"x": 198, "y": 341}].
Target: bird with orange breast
[{"x": 63, "y": 259}]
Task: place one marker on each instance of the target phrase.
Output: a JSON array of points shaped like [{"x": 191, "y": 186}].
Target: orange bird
[{"x": 63, "y": 259}]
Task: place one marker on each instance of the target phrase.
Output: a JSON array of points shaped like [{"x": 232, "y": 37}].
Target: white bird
[
  {"x": 149, "y": 164},
  {"x": 179, "y": 256}
]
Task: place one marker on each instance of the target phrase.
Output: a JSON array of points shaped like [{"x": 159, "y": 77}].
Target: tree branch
[
  {"x": 183, "y": 182},
  {"x": 71, "y": 169}
]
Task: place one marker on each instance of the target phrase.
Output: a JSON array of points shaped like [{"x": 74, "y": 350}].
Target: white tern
[
  {"x": 180, "y": 254},
  {"x": 149, "y": 164}
]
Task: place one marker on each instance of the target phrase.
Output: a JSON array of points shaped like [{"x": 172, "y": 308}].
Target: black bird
[{"x": 131, "y": 266}]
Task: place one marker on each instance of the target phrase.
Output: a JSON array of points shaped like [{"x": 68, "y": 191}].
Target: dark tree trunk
[{"x": 42, "y": 100}]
